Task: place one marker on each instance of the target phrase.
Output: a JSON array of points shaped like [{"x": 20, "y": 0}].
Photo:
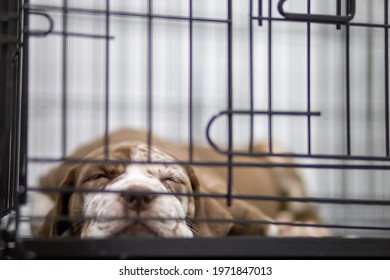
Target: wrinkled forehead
[
  {"x": 159, "y": 160},
  {"x": 141, "y": 152},
  {"x": 132, "y": 151},
  {"x": 131, "y": 154}
]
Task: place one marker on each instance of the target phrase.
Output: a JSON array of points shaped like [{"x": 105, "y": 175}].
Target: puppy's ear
[
  {"x": 208, "y": 208},
  {"x": 55, "y": 224}
]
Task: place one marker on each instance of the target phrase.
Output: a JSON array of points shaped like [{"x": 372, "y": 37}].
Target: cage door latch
[
  {"x": 40, "y": 33},
  {"x": 351, "y": 9}
]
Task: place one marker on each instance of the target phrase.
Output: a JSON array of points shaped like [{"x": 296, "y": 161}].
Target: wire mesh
[{"x": 311, "y": 76}]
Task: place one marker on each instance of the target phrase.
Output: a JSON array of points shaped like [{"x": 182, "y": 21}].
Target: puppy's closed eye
[
  {"x": 171, "y": 175},
  {"x": 95, "y": 177},
  {"x": 173, "y": 184},
  {"x": 172, "y": 179}
]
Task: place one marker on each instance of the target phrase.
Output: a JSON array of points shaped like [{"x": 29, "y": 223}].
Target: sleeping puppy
[{"x": 140, "y": 199}]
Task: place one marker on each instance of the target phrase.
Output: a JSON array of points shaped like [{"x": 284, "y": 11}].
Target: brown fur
[{"x": 246, "y": 181}]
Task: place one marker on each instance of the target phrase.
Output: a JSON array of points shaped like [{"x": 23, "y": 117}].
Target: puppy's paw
[
  {"x": 272, "y": 231},
  {"x": 299, "y": 231}
]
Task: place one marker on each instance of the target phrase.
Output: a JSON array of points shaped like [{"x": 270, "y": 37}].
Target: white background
[{"x": 283, "y": 269}]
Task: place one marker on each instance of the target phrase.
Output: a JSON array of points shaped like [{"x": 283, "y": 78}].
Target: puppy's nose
[{"x": 139, "y": 199}]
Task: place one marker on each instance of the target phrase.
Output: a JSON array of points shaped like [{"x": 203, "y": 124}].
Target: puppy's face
[{"x": 127, "y": 199}]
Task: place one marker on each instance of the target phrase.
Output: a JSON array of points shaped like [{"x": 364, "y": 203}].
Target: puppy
[{"x": 128, "y": 197}]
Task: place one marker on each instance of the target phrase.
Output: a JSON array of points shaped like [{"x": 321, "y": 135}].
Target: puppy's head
[{"x": 111, "y": 199}]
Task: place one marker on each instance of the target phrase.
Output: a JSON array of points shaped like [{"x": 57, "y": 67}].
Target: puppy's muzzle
[{"x": 138, "y": 199}]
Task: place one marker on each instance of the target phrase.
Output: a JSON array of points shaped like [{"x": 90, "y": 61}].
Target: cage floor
[{"x": 231, "y": 247}]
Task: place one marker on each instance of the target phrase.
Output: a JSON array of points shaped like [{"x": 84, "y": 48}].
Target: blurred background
[{"x": 79, "y": 66}]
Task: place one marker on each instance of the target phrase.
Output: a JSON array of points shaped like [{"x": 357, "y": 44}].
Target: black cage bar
[
  {"x": 10, "y": 28},
  {"x": 16, "y": 160}
]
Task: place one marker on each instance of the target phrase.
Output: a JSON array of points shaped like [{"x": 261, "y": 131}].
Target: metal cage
[
  {"x": 11, "y": 101},
  {"x": 18, "y": 100}
]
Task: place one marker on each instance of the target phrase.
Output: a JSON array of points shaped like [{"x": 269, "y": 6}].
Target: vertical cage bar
[
  {"x": 5, "y": 121},
  {"x": 260, "y": 11},
  {"x": 23, "y": 171},
  {"x": 64, "y": 77},
  {"x": 8, "y": 90},
  {"x": 386, "y": 16},
  {"x": 15, "y": 128},
  {"x": 19, "y": 32},
  {"x": 309, "y": 80},
  {"x": 270, "y": 76},
  {"x": 3, "y": 136},
  {"x": 16, "y": 31},
  {"x": 12, "y": 88},
  {"x": 338, "y": 12},
  {"x": 150, "y": 79},
  {"x": 348, "y": 101},
  {"x": 230, "y": 103},
  {"x": 190, "y": 101},
  {"x": 107, "y": 84},
  {"x": 251, "y": 98}
]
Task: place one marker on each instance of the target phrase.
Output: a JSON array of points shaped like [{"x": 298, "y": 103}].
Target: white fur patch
[{"x": 272, "y": 231}]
